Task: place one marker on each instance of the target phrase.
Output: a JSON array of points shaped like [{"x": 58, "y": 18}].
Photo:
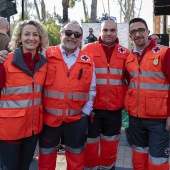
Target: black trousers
[{"x": 17, "y": 154}]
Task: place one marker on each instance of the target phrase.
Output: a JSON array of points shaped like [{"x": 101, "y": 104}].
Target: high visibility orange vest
[
  {"x": 110, "y": 80},
  {"x": 148, "y": 92},
  {"x": 21, "y": 113},
  {"x": 66, "y": 90}
]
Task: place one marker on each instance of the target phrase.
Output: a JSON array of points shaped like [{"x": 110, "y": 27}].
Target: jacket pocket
[
  {"x": 51, "y": 71},
  {"x": 156, "y": 104},
  {"x": 12, "y": 124},
  {"x": 131, "y": 101}
]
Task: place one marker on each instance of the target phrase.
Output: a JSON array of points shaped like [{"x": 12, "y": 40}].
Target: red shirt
[
  {"x": 28, "y": 61},
  {"x": 108, "y": 50}
]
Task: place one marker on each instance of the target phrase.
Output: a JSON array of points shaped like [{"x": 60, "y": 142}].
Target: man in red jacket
[
  {"x": 147, "y": 100},
  {"x": 104, "y": 128}
]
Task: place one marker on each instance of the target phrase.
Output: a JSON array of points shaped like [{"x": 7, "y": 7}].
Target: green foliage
[{"x": 52, "y": 30}]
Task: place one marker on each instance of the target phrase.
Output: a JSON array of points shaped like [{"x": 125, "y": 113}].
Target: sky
[{"x": 77, "y": 12}]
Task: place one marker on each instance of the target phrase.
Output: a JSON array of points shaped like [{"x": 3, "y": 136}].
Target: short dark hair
[{"x": 138, "y": 20}]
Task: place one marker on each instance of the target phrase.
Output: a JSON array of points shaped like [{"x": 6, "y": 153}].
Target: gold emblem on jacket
[{"x": 155, "y": 61}]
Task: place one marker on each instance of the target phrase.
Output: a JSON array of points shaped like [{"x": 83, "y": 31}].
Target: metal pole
[
  {"x": 22, "y": 9},
  {"x": 164, "y": 24}
]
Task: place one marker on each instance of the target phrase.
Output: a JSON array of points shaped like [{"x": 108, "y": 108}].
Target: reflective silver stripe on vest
[
  {"x": 100, "y": 70},
  {"x": 21, "y": 89},
  {"x": 101, "y": 81},
  {"x": 58, "y": 112},
  {"x": 78, "y": 96},
  {"x": 117, "y": 82},
  {"x": 112, "y": 71},
  {"x": 75, "y": 151},
  {"x": 71, "y": 112},
  {"x": 46, "y": 151},
  {"x": 159, "y": 160},
  {"x": 110, "y": 138},
  {"x": 140, "y": 149},
  {"x": 55, "y": 112},
  {"x": 20, "y": 103},
  {"x": 93, "y": 140},
  {"x": 148, "y": 74},
  {"x": 53, "y": 94},
  {"x": 117, "y": 71},
  {"x": 150, "y": 86},
  {"x": 111, "y": 82}
]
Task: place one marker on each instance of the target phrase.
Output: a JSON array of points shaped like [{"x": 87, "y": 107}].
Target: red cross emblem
[
  {"x": 121, "y": 50},
  {"x": 156, "y": 49},
  {"x": 85, "y": 58},
  {"x": 167, "y": 151}
]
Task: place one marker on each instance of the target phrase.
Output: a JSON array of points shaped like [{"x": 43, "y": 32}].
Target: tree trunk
[
  {"x": 93, "y": 11},
  {"x": 37, "y": 10},
  {"x": 43, "y": 10},
  {"x": 65, "y": 4}
]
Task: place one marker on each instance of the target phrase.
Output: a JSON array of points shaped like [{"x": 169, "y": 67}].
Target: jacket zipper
[{"x": 32, "y": 105}]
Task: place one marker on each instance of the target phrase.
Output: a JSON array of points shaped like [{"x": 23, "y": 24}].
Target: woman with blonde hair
[{"x": 23, "y": 75}]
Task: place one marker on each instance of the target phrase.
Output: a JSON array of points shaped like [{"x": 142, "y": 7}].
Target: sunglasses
[
  {"x": 108, "y": 18},
  {"x": 139, "y": 30},
  {"x": 69, "y": 33}
]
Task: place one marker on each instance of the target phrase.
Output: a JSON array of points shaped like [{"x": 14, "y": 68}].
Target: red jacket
[
  {"x": 21, "y": 112},
  {"x": 148, "y": 92},
  {"x": 66, "y": 90},
  {"x": 110, "y": 78}
]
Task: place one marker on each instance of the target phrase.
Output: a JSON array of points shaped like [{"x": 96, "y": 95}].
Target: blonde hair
[{"x": 44, "y": 42}]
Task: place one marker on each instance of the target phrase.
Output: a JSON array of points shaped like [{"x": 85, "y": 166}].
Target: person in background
[
  {"x": 68, "y": 97},
  {"x": 156, "y": 38},
  {"x": 147, "y": 100},
  {"x": 4, "y": 38},
  {"x": 105, "y": 124},
  {"x": 22, "y": 78},
  {"x": 91, "y": 38}
]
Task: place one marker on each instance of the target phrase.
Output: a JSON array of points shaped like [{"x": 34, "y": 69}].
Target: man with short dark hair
[
  {"x": 147, "y": 100},
  {"x": 91, "y": 38},
  {"x": 105, "y": 125}
]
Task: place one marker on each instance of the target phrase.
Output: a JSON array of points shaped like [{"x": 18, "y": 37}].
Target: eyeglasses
[
  {"x": 139, "y": 30},
  {"x": 108, "y": 18},
  {"x": 69, "y": 33}
]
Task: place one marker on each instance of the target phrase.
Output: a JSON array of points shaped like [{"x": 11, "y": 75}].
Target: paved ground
[{"x": 123, "y": 158}]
